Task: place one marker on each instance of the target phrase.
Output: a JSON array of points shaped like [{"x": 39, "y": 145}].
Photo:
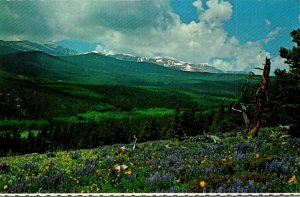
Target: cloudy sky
[{"x": 230, "y": 34}]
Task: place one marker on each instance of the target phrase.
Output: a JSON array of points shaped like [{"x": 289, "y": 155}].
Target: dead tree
[
  {"x": 243, "y": 110},
  {"x": 261, "y": 95},
  {"x": 242, "y": 107}
]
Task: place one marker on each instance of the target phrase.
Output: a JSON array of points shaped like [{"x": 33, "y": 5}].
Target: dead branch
[{"x": 243, "y": 110}]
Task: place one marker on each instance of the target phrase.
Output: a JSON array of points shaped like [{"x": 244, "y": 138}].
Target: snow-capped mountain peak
[{"x": 170, "y": 62}]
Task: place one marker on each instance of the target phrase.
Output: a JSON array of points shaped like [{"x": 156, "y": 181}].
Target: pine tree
[{"x": 286, "y": 91}]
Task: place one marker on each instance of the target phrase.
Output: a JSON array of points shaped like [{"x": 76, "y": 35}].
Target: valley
[{"x": 82, "y": 95}]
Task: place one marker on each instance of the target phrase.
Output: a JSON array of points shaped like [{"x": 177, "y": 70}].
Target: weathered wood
[
  {"x": 243, "y": 110},
  {"x": 261, "y": 97}
]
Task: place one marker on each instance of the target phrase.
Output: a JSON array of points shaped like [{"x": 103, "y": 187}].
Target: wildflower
[
  {"x": 5, "y": 187},
  {"x": 293, "y": 179},
  {"x": 129, "y": 172},
  {"x": 223, "y": 160},
  {"x": 257, "y": 155},
  {"x": 178, "y": 181},
  {"x": 120, "y": 167},
  {"x": 202, "y": 183}
]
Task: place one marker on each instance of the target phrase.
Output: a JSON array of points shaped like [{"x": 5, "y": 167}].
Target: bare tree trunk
[
  {"x": 261, "y": 97},
  {"x": 243, "y": 110}
]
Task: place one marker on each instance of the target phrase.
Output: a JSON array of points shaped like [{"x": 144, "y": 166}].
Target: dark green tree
[
  {"x": 178, "y": 129},
  {"x": 285, "y": 93}
]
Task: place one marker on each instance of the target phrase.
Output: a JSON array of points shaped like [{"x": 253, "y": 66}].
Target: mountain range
[
  {"x": 170, "y": 63},
  {"x": 7, "y": 47},
  {"x": 39, "y": 62}
]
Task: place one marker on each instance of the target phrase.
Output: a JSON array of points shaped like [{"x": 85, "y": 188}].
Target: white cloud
[
  {"x": 217, "y": 12},
  {"x": 139, "y": 27},
  {"x": 198, "y": 5},
  {"x": 101, "y": 49},
  {"x": 273, "y": 34},
  {"x": 278, "y": 62},
  {"x": 268, "y": 22}
]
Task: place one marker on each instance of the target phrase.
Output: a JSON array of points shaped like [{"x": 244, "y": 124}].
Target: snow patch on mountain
[{"x": 170, "y": 62}]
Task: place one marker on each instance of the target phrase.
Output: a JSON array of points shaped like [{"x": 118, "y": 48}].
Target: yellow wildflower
[
  {"x": 5, "y": 187},
  {"x": 98, "y": 171},
  {"x": 293, "y": 179},
  {"x": 129, "y": 172},
  {"x": 257, "y": 155},
  {"x": 202, "y": 183},
  {"x": 178, "y": 180}
]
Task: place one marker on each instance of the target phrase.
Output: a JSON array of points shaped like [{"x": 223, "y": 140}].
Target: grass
[
  {"x": 23, "y": 123},
  {"x": 24, "y": 134},
  {"x": 268, "y": 163},
  {"x": 154, "y": 111},
  {"x": 102, "y": 114}
]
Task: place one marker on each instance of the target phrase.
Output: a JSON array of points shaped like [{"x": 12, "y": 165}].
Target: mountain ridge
[
  {"x": 52, "y": 48},
  {"x": 170, "y": 62}
]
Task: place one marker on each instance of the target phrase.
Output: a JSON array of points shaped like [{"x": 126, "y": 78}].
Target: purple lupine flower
[
  {"x": 19, "y": 187},
  {"x": 157, "y": 176},
  {"x": 202, "y": 151},
  {"x": 221, "y": 189},
  {"x": 173, "y": 190},
  {"x": 277, "y": 166},
  {"x": 217, "y": 147},
  {"x": 84, "y": 170},
  {"x": 251, "y": 187},
  {"x": 174, "y": 159},
  {"x": 31, "y": 166},
  {"x": 239, "y": 156},
  {"x": 167, "y": 178},
  {"x": 210, "y": 169},
  {"x": 150, "y": 181},
  {"x": 244, "y": 147}
]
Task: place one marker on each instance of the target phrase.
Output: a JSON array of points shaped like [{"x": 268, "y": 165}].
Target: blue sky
[
  {"x": 229, "y": 34},
  {"x": 248, "y": 21}
]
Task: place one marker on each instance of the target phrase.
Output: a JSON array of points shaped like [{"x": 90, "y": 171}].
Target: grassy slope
[
  {"x": 100, "y": 69},
  {"x": 55, "y": 97},
  {"x": 237, "y": 165},
  {"x": 39, "y": 74}
]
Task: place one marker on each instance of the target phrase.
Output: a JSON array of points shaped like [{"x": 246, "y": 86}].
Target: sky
[{"x": 232, "y": 35}]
